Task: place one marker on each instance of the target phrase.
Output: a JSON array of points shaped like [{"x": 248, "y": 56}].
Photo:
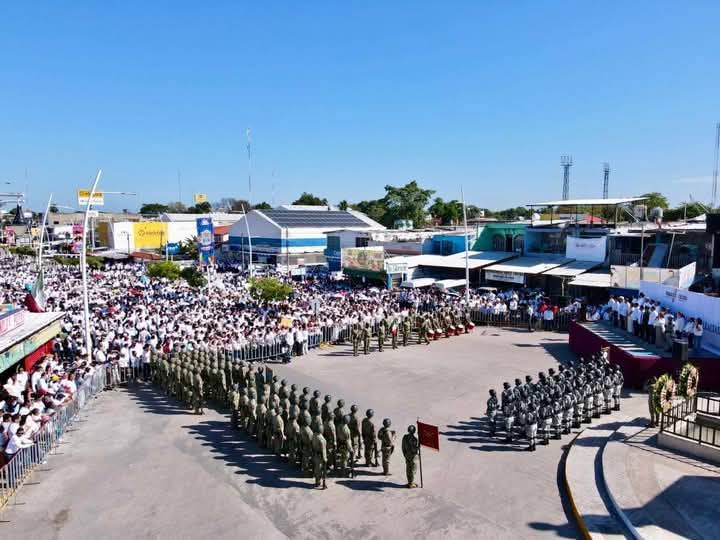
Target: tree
[
  {"x": 189, "y": 248},
  {"x": 176, "y": 207},
  {"x": 270, "y": 289},
  {"x": 153, "y": 208},
  {"x": 308, "y": 199},
  {"x": 343, "y": 205},
  {"x": 193, "y": 276},
  {"x": 375, "y": 210},
  {"x": 449, "y": 213},
  {"x": 685, "y": 210},
  {"x": 263, "y": 206},
  {"x": 164, "y": 269},
  {"x": 656, "y": 200},
  {"x": 231, "y": 204},
  {"x": 406, "y": 202},
  {"x": 200, "y": 208}
]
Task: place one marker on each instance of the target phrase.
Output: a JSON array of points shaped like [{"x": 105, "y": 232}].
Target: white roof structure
[
  {"x": 529, "y": 265},
  {"x": 592, "y": 280},
  {"x": 572, "y": 269},
  {"x": 449, "y": 283},
  {"x": 476, "y": 259},
  {"x": 217, "y": 217},
  {"x": 589, "y": 202},
  {"x": 417, "y": 283}
]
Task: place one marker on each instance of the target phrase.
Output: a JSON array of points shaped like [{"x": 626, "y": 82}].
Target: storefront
[{"x": 26, "y": 343}]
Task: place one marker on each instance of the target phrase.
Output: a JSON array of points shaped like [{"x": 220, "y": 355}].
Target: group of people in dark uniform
[{"x": 558, "y": 401}]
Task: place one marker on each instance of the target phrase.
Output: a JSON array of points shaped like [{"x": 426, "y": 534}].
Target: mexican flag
[{"x": 35, "y": 299}]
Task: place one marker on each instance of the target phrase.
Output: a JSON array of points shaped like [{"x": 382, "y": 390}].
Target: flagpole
[
  {"x": 419, "y": 452},
  {"x": 42, "y": 232},
  {"x": 467, "y": 252},
  {"x": 83, "y": 269}
]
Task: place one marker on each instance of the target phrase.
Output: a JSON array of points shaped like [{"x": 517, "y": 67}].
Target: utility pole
[
  {"x": 566, "y": 162},
  {"x": 715, "y": 170},
  {"x": 606, "y": 179},
  {"x": 467, "y": 252}
]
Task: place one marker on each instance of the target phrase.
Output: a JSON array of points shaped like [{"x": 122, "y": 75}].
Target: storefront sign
[
  {"x": 509, "y": 277},
  {"x": 84, "y": 196},
  {"x": 149, "y": 234},
  {"x": 396, "y": 267},
  {"x": 11, "y": 320},
  {"x": 586, "y": 249},
  {"x": 20, "y": 350}
]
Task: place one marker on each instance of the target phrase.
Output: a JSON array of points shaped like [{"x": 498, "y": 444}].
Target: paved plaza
[{"x": 139, "y": 466}]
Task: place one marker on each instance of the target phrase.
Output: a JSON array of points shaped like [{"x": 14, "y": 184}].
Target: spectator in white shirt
[
  {"x": 698, "y": 333},
  {"x": 16, "y": 443}
]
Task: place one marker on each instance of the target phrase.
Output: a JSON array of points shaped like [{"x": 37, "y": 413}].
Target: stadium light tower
[
  {"x": 606, "y": 179},
  {"x": 566, "y": 162}
]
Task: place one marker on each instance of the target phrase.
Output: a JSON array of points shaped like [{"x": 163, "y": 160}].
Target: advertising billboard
[
  {"x": 369, "y": 258},
  {"x": 206, "y": 239},
  {"x": 199, "y": 198},
  {"x": 586, "y": 249},
  {"x": 149, "y": 234},
  {"x": 84, "y": 196}
]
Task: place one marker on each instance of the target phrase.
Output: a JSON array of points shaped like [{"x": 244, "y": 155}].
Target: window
[
  {"x": 498, "y": 242},
  {"x": 518, "y": 243},
  {"x": 361, "y": 241}
]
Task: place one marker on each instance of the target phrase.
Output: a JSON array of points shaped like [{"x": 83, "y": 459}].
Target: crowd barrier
[
  {"x": 15, "y": 473},
  {"x": 520, "y": 319}
]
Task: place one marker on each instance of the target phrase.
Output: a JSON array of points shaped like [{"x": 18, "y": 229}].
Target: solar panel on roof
[{"x": 310, "y": 218}]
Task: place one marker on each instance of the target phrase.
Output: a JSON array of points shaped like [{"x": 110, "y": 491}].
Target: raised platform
[{"x": 638, "y": 360}]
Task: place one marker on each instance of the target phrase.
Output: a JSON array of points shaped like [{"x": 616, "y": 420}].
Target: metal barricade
[{"x": 16, "y": 472}]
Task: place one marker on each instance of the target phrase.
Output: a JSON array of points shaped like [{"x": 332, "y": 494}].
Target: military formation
[
  {"x": 446, "y": 321},
  {"x": 556, "y": 402},
  {"x": 314, "y": 433}
]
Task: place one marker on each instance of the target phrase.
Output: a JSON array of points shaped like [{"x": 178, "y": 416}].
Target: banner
[
  {"x": 691, "y": 304},
  {"x": 206, "y": 239},
  {"x": 149, "y": 234},
  {"x": 369, "y": 258},
  {"x": 586, "y": 249},
  {"x": 199, "y": 198},
  {"x": 428, "y": 435},
  {"x": 509, "y": 277},
  {"x": 630, "y": 277},
  {"x": 687, "y": 276},
  {"x": 84, "y": 196}
]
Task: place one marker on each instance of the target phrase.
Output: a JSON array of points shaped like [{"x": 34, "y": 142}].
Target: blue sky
[{"x": 344, "y": 98}]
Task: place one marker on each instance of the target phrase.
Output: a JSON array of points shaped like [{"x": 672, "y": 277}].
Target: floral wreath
[
  {"x": 689, "y": 379},
  {"x": 664, "y": 392}
]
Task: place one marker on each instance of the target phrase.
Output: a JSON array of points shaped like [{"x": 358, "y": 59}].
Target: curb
[{"x": 578, "y": 517}]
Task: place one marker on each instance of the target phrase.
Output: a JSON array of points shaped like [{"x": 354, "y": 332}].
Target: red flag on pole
[{"x": 429, "y": 435}]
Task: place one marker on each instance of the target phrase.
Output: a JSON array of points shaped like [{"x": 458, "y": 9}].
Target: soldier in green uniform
[
  {"x": 269, "y": 423},
  {"x": 242, "y": 410},
  {"x": 260, "y": 411},
  {"x": 387, "y": 445},
  {"x": 306, "y": 436},
  {"x": 369, "y": 437},
  {"x": 292, "y": 432},
  {"x": 410, "y": 450},
  {"x": 356, "y": 336},
  {"x": 344, "y": 447},
  {"x": 320, "y": 456},
  {"x": 650, "y": 386},
  {"x": 330, "y": 435},
  {"x": 354, "y": 425},
  {"x": 366, "y": 335},
  {"x": 198, "y": 394},
  {"x": 381, "y": 335},
  {"x": 325, "y": 411},
  {"x": 251, "y": 416},
  {"x": 406, "y": 329}
]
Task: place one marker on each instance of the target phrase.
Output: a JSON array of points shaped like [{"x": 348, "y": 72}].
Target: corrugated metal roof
[
  {"x": 572, "y": 269},
  {"x": 328, "y": 219},
  {"x": 528, "y": 265}
]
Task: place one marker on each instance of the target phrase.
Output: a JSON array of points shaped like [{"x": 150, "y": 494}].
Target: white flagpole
[
  {"x": 83, "y": 269},
  {"x": 42, "y": 232},
  {"x": 467, "y": 251}
]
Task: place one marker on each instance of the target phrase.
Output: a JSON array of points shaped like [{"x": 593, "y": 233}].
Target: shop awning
[
  {"x": 572, "y": 269},
  {"x": 529, "y": 265},
  {"x": 449, "y": 283},
  {"x": 476, "y": 259},
  {"x": 417, "y": 283},
  {"x": 592, "y": 280}
]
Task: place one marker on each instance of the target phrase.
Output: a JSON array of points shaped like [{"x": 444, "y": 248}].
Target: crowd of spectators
[{"x": 649, "y": 320}]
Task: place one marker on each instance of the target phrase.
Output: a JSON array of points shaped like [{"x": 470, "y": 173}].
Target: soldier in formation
[
  {"x": 410, "y": 450},
  {"x": 559, "y": 401}
]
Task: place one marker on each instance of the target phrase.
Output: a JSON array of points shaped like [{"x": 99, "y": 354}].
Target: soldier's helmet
[
  {"x": 518, "y": 382},
  {"x": 328, "y": 398},
  {"x": 306, "y": 390},
  {"x": 492, "y": 392},
  {"x": 353, "y": 408},
  {"x": 316, "y": 393},
  {"x": 242, "y": 391},
  {"x": 506, "y": 385},
  {"x": 345, "y": 419},
  {"x": 261, "y": 399},
  {"x": 411, "y": 429},
  {"x": 528, "y": 378},
  {"x": 551, "y": 372},
  {"x": 561, "y": 368},
  {"x": 260, "y": 369},
  {"x": 369, "y": 413},
  {"x": 283, "y": 383},
  {"x": 275, "y": 378},
  {"x": 341, "y": 403},
  {"x": 317, "y": 428},
  {"x": 293, "y": 387},
  {"x": 541, "y": 375},
  {"x": 386, "y": 422}
]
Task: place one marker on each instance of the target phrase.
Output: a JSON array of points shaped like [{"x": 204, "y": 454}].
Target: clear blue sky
[{"x": 343, "y": 98}]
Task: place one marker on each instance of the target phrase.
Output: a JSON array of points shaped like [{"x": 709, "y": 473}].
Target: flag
[
  {"x": 35, "y": 299},
  {"x": 429, "y": 435}
]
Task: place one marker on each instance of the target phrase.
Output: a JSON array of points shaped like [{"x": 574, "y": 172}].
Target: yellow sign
[
  {"x": 84, "y": 196},
  {"x": 103, "y": 233},
  {"x": 200, "y": 198},
  {"x": 150, "y": 234}
]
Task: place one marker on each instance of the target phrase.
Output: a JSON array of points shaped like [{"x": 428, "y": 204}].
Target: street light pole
[
  {"x": 467, "y": 251},
  {"x": 42, "y": 232},
  {"x": 83, "y": 267}
]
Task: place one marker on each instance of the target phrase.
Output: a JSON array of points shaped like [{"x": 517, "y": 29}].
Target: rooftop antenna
[
  {"x": 606, "y": 179},
  {"x": 715, "y": 170},
  {"x": 566, "y": 162}
]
